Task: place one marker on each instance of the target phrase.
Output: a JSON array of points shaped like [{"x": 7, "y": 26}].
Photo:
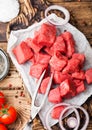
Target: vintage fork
[{"x": 35, "y": 109}]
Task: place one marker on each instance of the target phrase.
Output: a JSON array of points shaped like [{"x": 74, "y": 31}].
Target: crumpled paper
[{"x": 81, "y": 45}]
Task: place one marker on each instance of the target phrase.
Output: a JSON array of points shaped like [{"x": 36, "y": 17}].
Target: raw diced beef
[
  {"x": 72, "y": 66},
  {"x": 44, "y": 85},
  {"x": 32, "y": 43},
  {"x": 33, "y": 59},
  {"x": 60, "y": 56},
  {"x": 79, "y": 75},
  {"x": 71, "y": 94},
  {"x": 79, "y": 86},
  {"x": 88, "y": 75},
  {"x": 65, "y": 87},
  {"x": 57, "y": 64},
  {"x": 59, "y": 45},
  {"x": 47, "y": 35},
  {"x": 42, "y": 58},
  {"x": 77, "y": 82},
  {"x": 54, "y": 95},
  {"x": 37, "y": 69},
  {"x": 67, "y": 36},
  {"x": 49, "y": 50},
  {"x": 55, "y": 113},
  {"x": 80, "y": 57},
  {"x": 59, "y": 77},
  {"x": 22, "y": 53}
]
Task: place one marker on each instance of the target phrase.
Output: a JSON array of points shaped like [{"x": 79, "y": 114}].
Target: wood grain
[
  {"x": 3, "y": 27},
  {"x": 81, "y": 16},
  {"x": 12, "y": 85},
  {"x": 56, "y": 1}
]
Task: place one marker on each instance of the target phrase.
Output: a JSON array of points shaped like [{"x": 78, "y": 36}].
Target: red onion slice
[
  {"x": 60, "y": 8},
  {"x": 48, "y": 113},
  {"x": 68, "y": 106},
  {"x": 61, "y": 117},
  {"x": 86, "y": 115},
  {"x": 72, "y": 122},
  {"x": 77, "y": 116}
]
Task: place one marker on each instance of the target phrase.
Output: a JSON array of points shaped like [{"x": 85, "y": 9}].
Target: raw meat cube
[
  {"x": 88, "y": 75},
  {"x": 54, "y": 95},
  {"x": 67, "y": 36},
  {"x": 37, "y": 69},
  {"x": 71, "y": 94},
  {"x": 57, "y": 64},
  {"x": 47, "y": 35},
  {"x": 61, "y": 56},
  {"x": 72, "y": 66},
  {"x": 79, "y": 86},
  {"x": 70, "y": 48},
  {"x": 77, "y": 82},
  {"x": 56, "y": 112},
  {"x": 32, "y": 43},
  {"x": 22, "y": 53},
  {"x": 59, "y": 45},
  {"x": 59, "y": 77},
  {"x": 42, "y": 58},
  {"x": 33, "y": 59},
  {"x": 65, "y": 87},
  {"x": 49, "y": 50},
  {"x": 80, "y": 57},
  {"x": 44, "y": 85},
  {"x": 79, "y": 75}
]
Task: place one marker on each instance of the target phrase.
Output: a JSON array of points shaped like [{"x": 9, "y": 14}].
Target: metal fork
[{"x": 35, "y": 109}]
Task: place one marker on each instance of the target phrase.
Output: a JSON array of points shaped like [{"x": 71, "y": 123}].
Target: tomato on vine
[
  {"x": 8, "y": 114},
  {"x": 2, "y": 99},
  {"x": 3, "y": 127}
]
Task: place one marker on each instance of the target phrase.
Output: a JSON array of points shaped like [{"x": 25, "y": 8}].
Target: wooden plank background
[{"x": 13, "y": 86}]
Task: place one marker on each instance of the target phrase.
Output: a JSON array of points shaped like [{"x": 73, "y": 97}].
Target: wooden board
[
  {"x": 3, "y": 27},
  {"x": 12, "y": 85}
]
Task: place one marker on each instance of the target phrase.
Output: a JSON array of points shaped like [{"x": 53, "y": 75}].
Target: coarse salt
[{"x": 9, "y": 9}]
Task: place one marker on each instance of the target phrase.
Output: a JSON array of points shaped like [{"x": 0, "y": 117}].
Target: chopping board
[{"x": 31, "y": 12}]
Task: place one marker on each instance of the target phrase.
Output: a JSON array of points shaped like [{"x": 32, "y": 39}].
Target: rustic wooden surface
[
  {"x": 12, "y": 85},
  {"x": 16, "y": 94}
]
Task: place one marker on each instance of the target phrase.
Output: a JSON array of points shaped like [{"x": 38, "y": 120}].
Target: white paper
[{"x": 82, "y": 46}]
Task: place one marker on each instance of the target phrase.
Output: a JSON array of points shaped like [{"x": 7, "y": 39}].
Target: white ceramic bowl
[{"x": 4, "y": 64}]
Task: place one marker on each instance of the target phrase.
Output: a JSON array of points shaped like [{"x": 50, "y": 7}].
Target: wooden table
[{"x": 12, "y": 86}]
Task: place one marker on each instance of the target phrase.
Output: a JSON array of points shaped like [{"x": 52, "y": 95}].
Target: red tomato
[
  {"x": 8, "y": 114},
  {"x": 3, "y": 127},
  {"x": 2, "y": 99}
]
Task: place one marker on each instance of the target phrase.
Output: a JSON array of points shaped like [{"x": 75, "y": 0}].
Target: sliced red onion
[
  {"x": 48, "y": 113},
  {"x": 63, "y": 112},
  {"x": 77, "y": 120},
  {"x": 86, "y": 115},
  {"x": 72, "y": 122},
  {"x": 77, "y": 116},
  {"x": 61, "y": 21}
]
